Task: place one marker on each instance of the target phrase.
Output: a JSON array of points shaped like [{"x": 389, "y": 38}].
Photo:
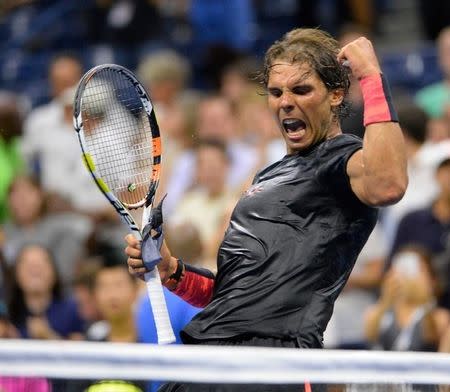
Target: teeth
[{"x": 293, "y": 124}]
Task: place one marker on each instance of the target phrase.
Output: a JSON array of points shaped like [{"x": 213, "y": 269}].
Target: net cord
[{"x": 82, "y": 360}]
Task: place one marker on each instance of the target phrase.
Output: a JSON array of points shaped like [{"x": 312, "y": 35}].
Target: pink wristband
[{"x": 377, "y": 98}]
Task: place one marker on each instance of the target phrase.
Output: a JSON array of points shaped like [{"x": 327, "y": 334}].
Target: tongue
[{"x": 295, "y": 125}]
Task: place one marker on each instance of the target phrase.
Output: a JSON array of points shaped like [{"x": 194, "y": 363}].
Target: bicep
[{"x": 355, "y": 172}]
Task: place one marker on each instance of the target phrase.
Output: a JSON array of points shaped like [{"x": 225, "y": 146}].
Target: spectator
[
  {"x": 115, "y": 293},
  {"x": 215, "y": 120},
  {"x": 11, "y": 163},
  {"x": 259, "y": 129},
  {"x": 205, "y": 204},
  {"x": 346, "y": 327},
  {"x": 435, "y": 97},
  {"x": 166, "y": 75},
  {"x": 52, "y": 150},
  {"x": 37, "y": 306},
  {"x": 422, "y": 187},
  {"x": 238, "y": 79},
  {"x": 429, "y": 227},
  {"x": 406, "y": 318},
  {"x": 83, "y": 290},
  {"x": 30, "y": 221}
]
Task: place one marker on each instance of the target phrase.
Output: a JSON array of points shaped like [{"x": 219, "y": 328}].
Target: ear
[{"x": 336, "y": 97}]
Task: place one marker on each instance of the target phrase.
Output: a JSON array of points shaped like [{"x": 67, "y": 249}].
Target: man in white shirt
[{"x": 50, "y": 144}]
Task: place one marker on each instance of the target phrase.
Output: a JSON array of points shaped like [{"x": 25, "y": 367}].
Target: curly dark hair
[{"x": 316, "y": 48}]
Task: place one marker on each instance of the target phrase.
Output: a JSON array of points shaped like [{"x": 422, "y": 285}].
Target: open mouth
[{"x": 292, "y": 125}]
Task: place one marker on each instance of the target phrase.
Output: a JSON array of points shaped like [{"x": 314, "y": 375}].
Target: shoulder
[
  {"x": 333, "y": 154},
  {"x": 342, "y": 143}
]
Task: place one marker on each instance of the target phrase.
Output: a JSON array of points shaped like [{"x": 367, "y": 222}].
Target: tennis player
[{"x": 295, "y": 234}]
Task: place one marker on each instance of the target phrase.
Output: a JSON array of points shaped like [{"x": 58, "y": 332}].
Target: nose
[{"x": 286, "y": 103}]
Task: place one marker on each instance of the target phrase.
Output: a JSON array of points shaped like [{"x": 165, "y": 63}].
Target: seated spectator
[
  {"x": 429, "y": 227},
  {"x": 37, "y": 306},
  {"x": 11, "y": 163},
  {"x": 30, "y": 221},
  {"x": 52, "y": 150},
  {"x": 238, "y": 79},
  {"x": 422, "y": 186},
  {"x": 215, "y": 119},
  {"x": 405, "y": 317},
  {"x": 115, "y": 292},
  {"x": 205, "y": 204},
  {"x": 166, "y": 74},
  {"x": 83, "y": 290},
  {"x": 435, "y": 97},
  {"x": 259, "y": 130},
  {"x": 346, "y": 327}
]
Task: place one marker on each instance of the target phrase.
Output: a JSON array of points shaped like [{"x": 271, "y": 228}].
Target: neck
[
  {"x": 123, "y": 330},
  {"x": 334, "y": 130},
  {"x": 37, "y": 303}
]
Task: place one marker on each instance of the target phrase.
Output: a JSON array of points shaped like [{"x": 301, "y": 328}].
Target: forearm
[
  {"x": 384, "y": 155},
  {"x": 384, "y": 161}
]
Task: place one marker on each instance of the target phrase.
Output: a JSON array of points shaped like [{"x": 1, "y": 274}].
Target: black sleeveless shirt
[{"x": 291, "y": 244}]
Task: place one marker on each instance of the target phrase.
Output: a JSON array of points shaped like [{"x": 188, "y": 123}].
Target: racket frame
[{"x": 152, "y": 278}]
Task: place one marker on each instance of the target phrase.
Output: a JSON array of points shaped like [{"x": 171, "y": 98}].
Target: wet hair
[{"x": 319, "y": 50}]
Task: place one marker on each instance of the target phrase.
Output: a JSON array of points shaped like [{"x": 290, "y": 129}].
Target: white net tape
[{"x": 81, "y": 360}]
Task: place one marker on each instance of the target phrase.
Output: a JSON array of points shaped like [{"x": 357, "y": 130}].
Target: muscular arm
[{"x": 377, "y": 172}]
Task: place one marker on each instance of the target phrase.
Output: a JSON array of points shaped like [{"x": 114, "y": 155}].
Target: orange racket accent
[{"x": 156, "y": 146}]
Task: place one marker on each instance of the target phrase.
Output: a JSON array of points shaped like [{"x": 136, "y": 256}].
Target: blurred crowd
[{"x": 63, "y": 271}]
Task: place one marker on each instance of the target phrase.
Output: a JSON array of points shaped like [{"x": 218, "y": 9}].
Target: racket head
[{"x": 119, "y": 135}]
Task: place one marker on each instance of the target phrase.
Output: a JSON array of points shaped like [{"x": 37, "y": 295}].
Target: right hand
[
  {"x": 166, "y": 267},
  {"x": 361, "y": 57}
]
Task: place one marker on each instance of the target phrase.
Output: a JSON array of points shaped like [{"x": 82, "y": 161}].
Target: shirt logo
[{"x": 252, "y": 190}]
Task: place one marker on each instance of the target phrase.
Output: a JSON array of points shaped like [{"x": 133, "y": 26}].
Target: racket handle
[
  {"x": 155, "y": 293},
  {"x": 158, "y": 303}
]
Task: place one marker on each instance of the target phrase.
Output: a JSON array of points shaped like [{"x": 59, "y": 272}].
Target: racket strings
[{"x": 118, "y": 135}]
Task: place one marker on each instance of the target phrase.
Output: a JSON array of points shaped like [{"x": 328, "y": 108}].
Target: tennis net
[{"x": 43, "y": 366}]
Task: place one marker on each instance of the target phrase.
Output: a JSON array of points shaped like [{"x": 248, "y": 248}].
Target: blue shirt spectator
[{"x": 180, "y": 313}]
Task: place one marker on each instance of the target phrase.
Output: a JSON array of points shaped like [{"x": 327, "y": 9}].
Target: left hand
[{"x": 361, "y": 57}]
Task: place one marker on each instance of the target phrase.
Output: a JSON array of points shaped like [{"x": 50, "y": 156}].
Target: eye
[
  {"x": 274, "y": 92},
  {"x": 301, "y": 90}
]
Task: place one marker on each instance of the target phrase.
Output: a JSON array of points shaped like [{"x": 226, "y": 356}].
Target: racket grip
[{"x": 155, "y": 292}]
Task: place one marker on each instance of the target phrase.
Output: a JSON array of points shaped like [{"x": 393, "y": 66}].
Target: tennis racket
[{"x": 121, "y": 147}]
